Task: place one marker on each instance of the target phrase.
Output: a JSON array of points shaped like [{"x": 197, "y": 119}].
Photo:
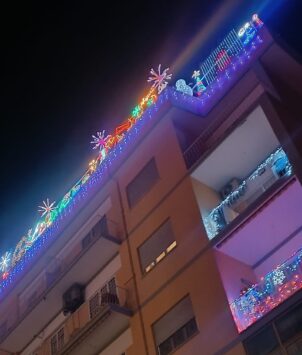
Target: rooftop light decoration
[
  {"x": 13, "y": 262},
  {"x": 103, "y": 144},
  {"x": 223, "y": 58}
]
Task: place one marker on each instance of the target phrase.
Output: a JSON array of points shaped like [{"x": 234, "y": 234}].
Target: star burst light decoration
[
  {"x": 99, "y": 140},
  {"x": 159, "y": 79},
  {"x": 47, "y": 207},
  {"x": 4, "y": 262},
  {"x": 196, "y": 74}
]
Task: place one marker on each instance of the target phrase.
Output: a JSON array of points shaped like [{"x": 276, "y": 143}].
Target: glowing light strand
[
  {"x": 38, "y": 236},
  {"x": 214, "y": 222},
  {"x": 273, "y": 289}
]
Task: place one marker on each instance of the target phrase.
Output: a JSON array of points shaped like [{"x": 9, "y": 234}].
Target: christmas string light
[
  {"x": 273, "y": 289},
  {"x": 215, "y": 222},
  {"x": 110, "y": 148}
]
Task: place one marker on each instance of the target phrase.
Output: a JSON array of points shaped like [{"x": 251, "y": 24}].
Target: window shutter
[{"x": 157, "y": 243}]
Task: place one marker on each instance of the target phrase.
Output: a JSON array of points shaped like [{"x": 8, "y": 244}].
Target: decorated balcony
[
  {"x": 260, "y": 263},
  {"x": 273, "y": 289},
  {"x": 244, "y": 193}
]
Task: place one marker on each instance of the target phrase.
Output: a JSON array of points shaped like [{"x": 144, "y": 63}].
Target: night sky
[{"x": 70, "y": 70}]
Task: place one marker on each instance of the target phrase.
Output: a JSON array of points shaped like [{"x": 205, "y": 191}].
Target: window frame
[
  {"x": 183, "y": 326},
  {"x": 131, "y": 205},
  {"x": 166, "y": 251}
]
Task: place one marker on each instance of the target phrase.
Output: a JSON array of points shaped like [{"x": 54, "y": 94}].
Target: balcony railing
[
  {"x": 273, "y": 289},
  {"x": 54, "y": 272},
  {"x": 275, "y": 167},
  {"x": 91, "y": 311},
  {"x": 109, "y": 294}
]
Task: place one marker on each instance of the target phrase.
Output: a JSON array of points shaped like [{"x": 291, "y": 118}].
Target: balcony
[
  {"x": 77, "y": 264},
  {"x": 260, "y": 263},
  {"x": 96, "y": 323},
  {"x": 239, "y": 174},
  {"x": 243, "y": 193},
  {"x": 273, "y": 289}
]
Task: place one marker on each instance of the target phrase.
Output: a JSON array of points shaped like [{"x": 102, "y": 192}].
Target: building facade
[{"x": 185, "y": 235}]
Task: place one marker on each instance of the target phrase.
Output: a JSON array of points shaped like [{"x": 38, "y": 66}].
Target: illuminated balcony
[
  {"x": 260, "y": 263},
  {"x": 239, "y": 175},
  {"x": 275, "y": 167},
  {"x": 273, "y": 289}
]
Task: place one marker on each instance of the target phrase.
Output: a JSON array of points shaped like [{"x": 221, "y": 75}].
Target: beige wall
[{"x": 231, "y": 271}]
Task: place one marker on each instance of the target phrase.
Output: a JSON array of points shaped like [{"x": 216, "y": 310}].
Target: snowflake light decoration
[
  {"x": 4, "y": 262},
  {"x": 99, "y": 140},
  {"x": 278, "y": 277},
  {"x": 159, "y": 79},
  {"x": 47, "y": 207}
]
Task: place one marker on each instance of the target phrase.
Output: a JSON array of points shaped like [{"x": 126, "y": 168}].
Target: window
[
  {"x": 86, "y": 241},
  {"x": 264, "y": 342},
  {"x": 142, "y": 183},
  {"x": 157, "y": 246},
  {"x": 57, "y": 341},
  {"x": 282, "y": 336},
  {"x": 175, "y": 327},
  {"x": 290, "y": 325}
]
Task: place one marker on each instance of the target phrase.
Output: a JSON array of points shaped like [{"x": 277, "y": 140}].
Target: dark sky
[{"x": 71, "y": 69}]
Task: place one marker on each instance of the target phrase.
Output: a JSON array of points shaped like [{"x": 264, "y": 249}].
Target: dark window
[
  {"x": 157, "y": 246},
  {"x": 290, "y": 325},
  {"x": 53, "y": 344},
  {"x": 86, "y": 240},
  {"x": 175, "y": 327},
  {"x": 101, "y": 228},
  {"x": 263, "y": 343},
  {"x": 142, "y": 183}
]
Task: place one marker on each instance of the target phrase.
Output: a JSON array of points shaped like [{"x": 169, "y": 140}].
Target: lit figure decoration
[
  {"x": 256, "y": 21},
  {"x": 99, "y": 141},
  {"x": 47, "y": 207},
  {"x": 159, "y": 79},
  {"x": 199, "y": 86},
  {"x": 4, "y": 262},
  {"x": 182, "y": 86}
]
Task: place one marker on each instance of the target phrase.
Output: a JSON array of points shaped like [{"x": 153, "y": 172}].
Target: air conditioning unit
[
  {"x": 73, "y": 298},
  {"x": 229, "y": 187}
]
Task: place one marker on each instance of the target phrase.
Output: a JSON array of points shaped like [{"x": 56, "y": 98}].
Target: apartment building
[{"x": 184, "y": 235}]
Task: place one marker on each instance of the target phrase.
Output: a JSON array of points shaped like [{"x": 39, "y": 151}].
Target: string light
[
  {"x": 215, "y": 221},
  {"x": 39, "y": 237},
  {"x": 273, "y": 289}
]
